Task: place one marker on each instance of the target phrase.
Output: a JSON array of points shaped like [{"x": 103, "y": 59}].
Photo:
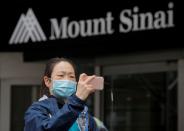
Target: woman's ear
[{"x": 47, "y": 81}]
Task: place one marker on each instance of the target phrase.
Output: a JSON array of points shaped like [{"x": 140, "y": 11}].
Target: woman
[{"x": 62, "y": 108}]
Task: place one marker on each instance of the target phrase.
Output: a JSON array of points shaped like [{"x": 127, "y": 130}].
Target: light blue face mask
[{"x": 63, "y": 88}]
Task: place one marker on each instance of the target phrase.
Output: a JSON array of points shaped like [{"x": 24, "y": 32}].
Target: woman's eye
[
  {"x": 61, "y": 75},
  {"x": 72, "y": 76}
]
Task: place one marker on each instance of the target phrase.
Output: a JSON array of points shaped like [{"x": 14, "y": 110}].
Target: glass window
[
  {"x": 21, "y": 98},
  {"x": 0, "y": 98},
  {"x": 141, "y": 102}
]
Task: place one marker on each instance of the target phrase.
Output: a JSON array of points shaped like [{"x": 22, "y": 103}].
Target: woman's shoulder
[
  {"x": 43, "y": 103},
  {"x": 38, "y": 109}
]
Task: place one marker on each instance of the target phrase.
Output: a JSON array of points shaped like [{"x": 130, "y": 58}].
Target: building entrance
[{"x": 141, "y": 97}]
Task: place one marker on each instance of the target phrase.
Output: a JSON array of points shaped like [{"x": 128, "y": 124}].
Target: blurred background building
[{"x": 135, "y": 45}]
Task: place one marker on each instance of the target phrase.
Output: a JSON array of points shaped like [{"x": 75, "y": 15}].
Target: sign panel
[{"x": 91, "y": 29}]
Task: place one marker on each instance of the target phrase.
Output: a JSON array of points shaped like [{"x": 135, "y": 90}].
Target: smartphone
[{"x": 98, "y": 82}]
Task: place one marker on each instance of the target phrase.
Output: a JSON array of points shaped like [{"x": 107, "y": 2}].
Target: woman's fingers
[
  {"x": 91, "y": 88},
  {"x": 89, "y": 78},
  {"x": 82, "y": 77},
  {"x": 84, "y": 88}
]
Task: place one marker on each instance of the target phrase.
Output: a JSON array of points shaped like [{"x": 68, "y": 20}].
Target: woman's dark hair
[{"x": 49, "y": 69}]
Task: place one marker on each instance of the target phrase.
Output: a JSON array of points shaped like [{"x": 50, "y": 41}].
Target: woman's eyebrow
[
  {"x": 66, "y": 72},
  {"x": 71, "y": 73},
  {"x": 61, "y": 71}
]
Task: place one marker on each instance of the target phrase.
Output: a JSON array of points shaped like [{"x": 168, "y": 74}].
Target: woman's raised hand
[{"x": 84, "y": 88}]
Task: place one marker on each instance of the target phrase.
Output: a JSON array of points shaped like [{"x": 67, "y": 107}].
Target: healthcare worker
[{"x": 62, "y": 107}]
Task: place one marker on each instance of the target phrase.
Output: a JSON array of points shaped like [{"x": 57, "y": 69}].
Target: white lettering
[
  {"x": 56, "y": 30},
  {"x": 146, "y": 21},
  {"x": 170, "y": 15},
  {"x": 99, "y": 26},
  {"x": 73, "y": 29},
  {"x": 109, "y": 20},
  {"x": 132, "y": 20},
  {"x": 85, "y": 31},
  {"x": 125, "y": 21},
  {"x": 135, "y": 19},
  {"x": 160, "y": 20}
]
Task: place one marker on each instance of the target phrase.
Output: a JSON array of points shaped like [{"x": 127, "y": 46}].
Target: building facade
[{"x": 135, "y": 46}]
